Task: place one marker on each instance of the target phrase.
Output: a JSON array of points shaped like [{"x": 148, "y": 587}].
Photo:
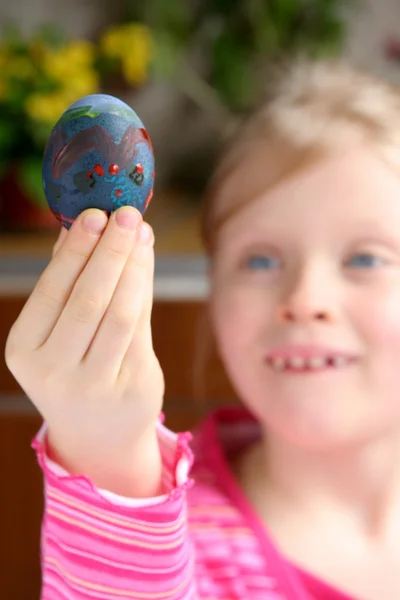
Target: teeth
[
  {"x": 339, "y": 361},
  {"x": 317, "y": 362},
  {"x": 297, "y": 362},
  {"x": 312, "y": 363}
]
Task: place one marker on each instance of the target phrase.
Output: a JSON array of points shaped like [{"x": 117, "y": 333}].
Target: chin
[
  {"x": 322, "y": 432},
  {"x": 319, "y": 424}
]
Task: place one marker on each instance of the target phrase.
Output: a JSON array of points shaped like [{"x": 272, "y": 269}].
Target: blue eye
[
  {"x": 261, "y": 261},
  {"x": 365, "y": 260}
]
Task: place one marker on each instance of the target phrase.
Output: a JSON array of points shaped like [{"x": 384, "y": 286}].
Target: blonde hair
[{"x": 311, "y": 110}]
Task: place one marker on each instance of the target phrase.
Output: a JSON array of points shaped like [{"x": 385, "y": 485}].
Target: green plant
[{"x": 216, "y": 50}]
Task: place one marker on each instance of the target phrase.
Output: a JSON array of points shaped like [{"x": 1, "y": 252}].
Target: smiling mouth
[{"x": 312, "y": 364}]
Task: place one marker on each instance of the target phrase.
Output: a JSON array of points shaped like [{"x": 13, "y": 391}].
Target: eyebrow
[{"x": 379, "y": 239}]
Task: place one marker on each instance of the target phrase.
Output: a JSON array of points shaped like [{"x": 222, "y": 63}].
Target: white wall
[
  {"x": 78, "y": 17},
  {"x": 369, "y": 27}
]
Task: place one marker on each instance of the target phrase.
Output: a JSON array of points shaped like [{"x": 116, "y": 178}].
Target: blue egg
[{"x": 99, "y": 155}]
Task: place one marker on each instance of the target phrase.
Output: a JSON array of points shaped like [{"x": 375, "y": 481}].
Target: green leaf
[
  {"x": 284, "y": 12},
  {"x": 232, "y": 73},
  {"x": 166, "y": 56},
  {"x": 172, "y": 18},
  {"x": 175, "y": 17},
  {"x": 226, "y": 7},
  {"x": 268, "y": 36},
  {"x": 30, "y": 179},
  {"x": 8, "y": 131},
  {"x": 36, "y": 135},
  {"x": 51, "y": 34}
]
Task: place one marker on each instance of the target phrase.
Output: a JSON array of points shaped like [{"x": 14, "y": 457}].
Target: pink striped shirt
[{"x": 201, "y": 540}]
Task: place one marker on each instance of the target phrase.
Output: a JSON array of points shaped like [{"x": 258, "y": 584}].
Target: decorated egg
[{"x": 99, "y": 155}]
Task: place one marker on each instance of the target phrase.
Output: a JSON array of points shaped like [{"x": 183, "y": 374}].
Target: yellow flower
[
  {"x": 47, "y": 108},
  {"x": 80, "y": 52},
  {"x": 83, "y": 83},
  {"x": 133, "y": 45},
  {"x": 68, "y": 61},
  {"x": 111, "y": 42},
  {"x": 135, "y": 69}
]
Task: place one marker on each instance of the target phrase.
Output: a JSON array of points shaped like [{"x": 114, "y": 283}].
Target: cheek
[
  {"x": 379, "y": 320},
  {"x": 239, "y": 320}
]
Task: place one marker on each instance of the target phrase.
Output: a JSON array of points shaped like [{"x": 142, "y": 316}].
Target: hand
[{"x": 82, "y": 351}]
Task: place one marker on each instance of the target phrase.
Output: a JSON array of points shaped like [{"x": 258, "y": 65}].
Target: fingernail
[
  {"x": 127, "y": 217},
  {"x": 145, "y": 233},
  {"x": 95, "y": 222}
]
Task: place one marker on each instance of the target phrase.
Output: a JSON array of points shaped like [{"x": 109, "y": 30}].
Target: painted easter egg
[{"x": 99, "y": 155}]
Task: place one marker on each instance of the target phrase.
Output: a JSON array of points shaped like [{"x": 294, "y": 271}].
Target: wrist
[{"x": 134, "y": 472}]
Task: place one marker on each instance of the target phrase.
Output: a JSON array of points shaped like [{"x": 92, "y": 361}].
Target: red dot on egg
[
  {"x": 113, "y": 169},
  {"x": 98, "y": 169},
  {"x": 139, "y": 168}
]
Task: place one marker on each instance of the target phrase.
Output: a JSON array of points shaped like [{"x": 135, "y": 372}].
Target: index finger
[
  {"x": 60, "y": 240},
  {"x": 44, "y": 306}
]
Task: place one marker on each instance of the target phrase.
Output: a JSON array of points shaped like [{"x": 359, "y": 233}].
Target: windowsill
[
  {"x": 177, "y": 277},
  {"x": 180, "y": 270}
]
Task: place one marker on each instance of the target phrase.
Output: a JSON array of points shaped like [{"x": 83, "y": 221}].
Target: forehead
[{"x": 353, "y": 186}]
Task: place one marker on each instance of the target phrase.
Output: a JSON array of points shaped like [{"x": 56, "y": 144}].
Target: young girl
[{"x": 297, "y": 496}]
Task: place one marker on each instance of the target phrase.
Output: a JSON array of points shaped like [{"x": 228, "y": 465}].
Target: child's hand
[{"x": 82, "y": 351}]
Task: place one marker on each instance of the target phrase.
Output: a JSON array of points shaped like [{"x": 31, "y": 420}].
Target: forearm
[{"x": 103, "y": 545}]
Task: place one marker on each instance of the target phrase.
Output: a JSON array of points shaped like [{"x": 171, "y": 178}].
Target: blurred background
[{"x": 190, "y": 69}]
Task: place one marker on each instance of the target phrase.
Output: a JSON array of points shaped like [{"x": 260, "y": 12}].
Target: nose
[{"x": 309, "y": 296}]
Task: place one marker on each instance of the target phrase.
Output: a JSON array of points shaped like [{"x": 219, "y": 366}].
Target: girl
[{"x": 297, "y": 496}]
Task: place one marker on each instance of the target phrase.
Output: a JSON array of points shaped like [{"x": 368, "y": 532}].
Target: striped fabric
[{"x": 197, "y": 541}]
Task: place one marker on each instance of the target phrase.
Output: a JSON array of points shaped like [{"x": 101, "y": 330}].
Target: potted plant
[
  {"x": 40, "y": 77},
  {"x": 219, "y": 53}
]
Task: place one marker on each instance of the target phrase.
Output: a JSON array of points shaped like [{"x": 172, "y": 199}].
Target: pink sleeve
[{"x": 96, "y": 545}]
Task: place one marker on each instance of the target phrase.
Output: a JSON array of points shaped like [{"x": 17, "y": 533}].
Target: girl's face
[{"x": 306, "y": 302}]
